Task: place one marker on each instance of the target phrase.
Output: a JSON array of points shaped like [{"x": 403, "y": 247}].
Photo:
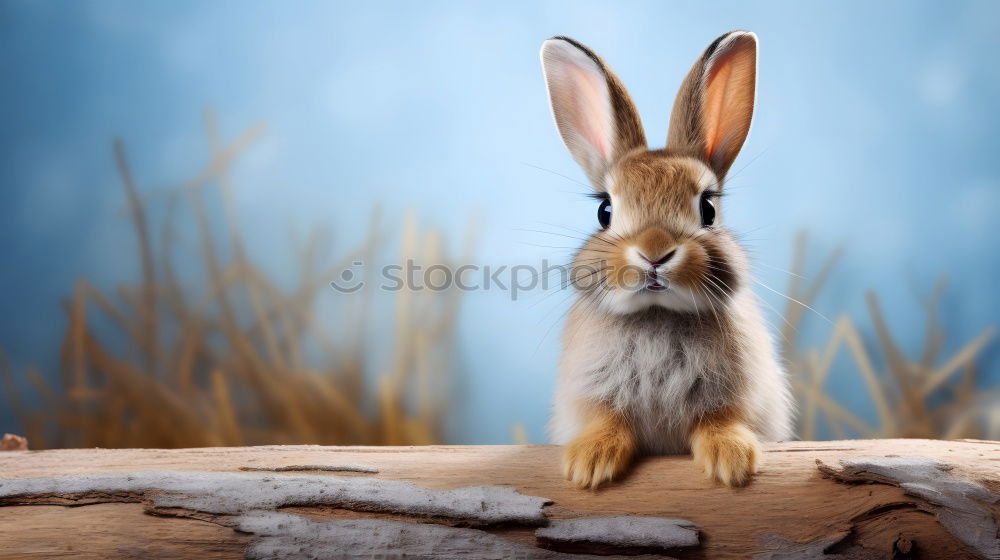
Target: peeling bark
[
  {"x": 632, "y": 533},
  {"x": 328, "y": 468},
  {"x": 285, "y": 536},
  {"x": 234, "y": 493},
  {"x": 777, "y": 547},
  {"x": 961, "y": 506}
]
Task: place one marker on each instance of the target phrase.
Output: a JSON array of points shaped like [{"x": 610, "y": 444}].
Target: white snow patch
[
  {"x": 234, "y": 493},
  {"x": 624, "y": 531}
]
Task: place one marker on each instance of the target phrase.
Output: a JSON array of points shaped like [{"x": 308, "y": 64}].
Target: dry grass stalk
[
  {"x": 237, "y": 364},
  {"x": 924, "y": 397}
]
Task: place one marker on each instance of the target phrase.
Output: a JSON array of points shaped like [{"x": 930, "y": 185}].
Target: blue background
[{"x": 876, "y": 129}]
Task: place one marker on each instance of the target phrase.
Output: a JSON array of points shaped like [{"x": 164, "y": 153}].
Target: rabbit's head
[{"x": 661, "y": 240}]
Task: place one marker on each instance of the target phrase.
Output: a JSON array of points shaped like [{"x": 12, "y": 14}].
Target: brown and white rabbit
[{"x": 665, "y": 349}]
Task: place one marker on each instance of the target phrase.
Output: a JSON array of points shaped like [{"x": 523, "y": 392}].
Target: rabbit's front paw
[
  {"x": 728, "y": 454},
  {"x": 595, "y": 458}
]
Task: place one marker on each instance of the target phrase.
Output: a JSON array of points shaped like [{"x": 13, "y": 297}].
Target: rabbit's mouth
[
  {"x": 656, "y": 286},
  {"x": 655, "y": 282}
]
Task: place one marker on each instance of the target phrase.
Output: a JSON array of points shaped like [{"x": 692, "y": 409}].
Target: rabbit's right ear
[
  {"x": 595, "y": 115},
  {"x": 712, "y": 113}
]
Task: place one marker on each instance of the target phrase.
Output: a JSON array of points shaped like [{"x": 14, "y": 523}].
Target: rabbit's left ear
[
  {"x": 714, "y": 107},
  {"x": 594, "y": 113}
]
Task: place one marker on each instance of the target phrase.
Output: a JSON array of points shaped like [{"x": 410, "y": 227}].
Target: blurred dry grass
[
  {"x": 242, "y": 361},
  {"x": 928, "y": 396}
]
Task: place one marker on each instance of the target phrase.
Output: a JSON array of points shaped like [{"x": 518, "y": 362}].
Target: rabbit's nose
[
  {"x": 655, "y": 246},
  {"x": 662, "y": 260}
]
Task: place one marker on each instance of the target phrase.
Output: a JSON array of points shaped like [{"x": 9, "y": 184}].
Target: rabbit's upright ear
[
  {"x": 595, "y": 115},
  {"x": 714, "y": 107}
]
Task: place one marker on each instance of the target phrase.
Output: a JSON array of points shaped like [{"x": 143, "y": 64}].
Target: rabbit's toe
[
  {"x": 729, "y": 455},
  {"x": 590, "y": 461}
]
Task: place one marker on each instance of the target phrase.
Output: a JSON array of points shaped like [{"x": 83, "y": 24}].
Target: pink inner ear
[
  {"x": 589, "y": 109},
  {"x": 727, "y": 106}
]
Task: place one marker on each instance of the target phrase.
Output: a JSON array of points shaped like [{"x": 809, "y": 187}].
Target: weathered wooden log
[{"x": 840, "y": 499}]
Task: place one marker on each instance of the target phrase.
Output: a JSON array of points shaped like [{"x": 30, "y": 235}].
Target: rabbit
[{"x": 665, "y": 350}]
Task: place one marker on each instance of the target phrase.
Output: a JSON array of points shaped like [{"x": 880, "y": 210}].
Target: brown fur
[
  {"x": 723, "y": 445},
  {"x": 603, "y": 451},
  {"x": 657, "y": 189},
  {"x": 658, "y": 182}
]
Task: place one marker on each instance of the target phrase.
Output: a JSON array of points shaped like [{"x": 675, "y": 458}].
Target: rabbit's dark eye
[
  {"x": 707, "y": 208},
  {"x": 604, "y": 213}
]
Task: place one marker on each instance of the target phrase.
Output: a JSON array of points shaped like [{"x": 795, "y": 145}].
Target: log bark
[{"x": 839, "y": 499}]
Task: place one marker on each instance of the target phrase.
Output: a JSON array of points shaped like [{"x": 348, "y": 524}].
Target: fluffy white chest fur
[{"x": 664, "y": 370}]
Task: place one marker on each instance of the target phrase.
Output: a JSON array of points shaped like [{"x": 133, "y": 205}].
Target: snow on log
[{"x": 822, "y": 500}]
